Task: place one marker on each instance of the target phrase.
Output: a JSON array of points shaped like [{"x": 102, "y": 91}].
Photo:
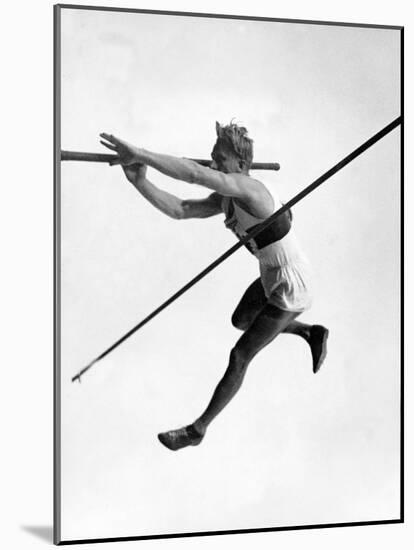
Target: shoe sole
[{"x": 165, "y": 442}]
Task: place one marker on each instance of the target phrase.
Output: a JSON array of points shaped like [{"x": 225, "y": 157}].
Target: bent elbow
[
  {"x": 178, "y": 215},
  {"x": 179, "y": 212},
  {"x": 175, "y": 214}
]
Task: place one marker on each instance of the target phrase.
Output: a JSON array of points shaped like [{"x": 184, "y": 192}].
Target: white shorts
[{"x": 287, "y": 287}]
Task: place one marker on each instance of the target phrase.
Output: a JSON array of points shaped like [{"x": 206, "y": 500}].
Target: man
[{"x": 272, "y": 303}]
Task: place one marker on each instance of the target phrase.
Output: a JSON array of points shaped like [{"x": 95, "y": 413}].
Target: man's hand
[
  {"x": 127, "y": 153},
  {"x": 135, "y": 172}
]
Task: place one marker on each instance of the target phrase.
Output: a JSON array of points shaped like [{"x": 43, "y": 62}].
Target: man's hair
[{"x": 236, "y": 137}]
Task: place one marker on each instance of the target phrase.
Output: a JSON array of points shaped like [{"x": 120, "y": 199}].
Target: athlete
[{"x": 272, "y": 303}]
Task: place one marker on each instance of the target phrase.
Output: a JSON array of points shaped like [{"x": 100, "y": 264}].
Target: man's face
[{"x": 224, "y": 159}]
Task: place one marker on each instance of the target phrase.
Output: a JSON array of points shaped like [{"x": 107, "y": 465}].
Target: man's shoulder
[
  {"x": 257, "y": 197},
  {"x": 248, "y": 181},
  {"x": 256, "y": 187}
]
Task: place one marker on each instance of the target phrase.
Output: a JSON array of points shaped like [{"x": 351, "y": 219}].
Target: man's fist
[{"x": 127, "y": 153}]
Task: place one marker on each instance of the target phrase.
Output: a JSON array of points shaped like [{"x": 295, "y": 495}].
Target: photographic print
[{"x": 228, "y": 286}]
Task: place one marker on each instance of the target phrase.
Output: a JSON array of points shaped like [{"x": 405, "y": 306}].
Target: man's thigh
[{"x": 250, "y": 305}]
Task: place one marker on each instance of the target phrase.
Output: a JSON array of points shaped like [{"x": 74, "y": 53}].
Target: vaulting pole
[
  {"x": 103, "y": 157},
  {"x": 341, "y": 164}
]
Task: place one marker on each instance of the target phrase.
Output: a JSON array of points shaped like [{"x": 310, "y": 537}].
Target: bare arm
[
  {"x": 233, "y": 185},
  {"x": 169, "y": 204}
]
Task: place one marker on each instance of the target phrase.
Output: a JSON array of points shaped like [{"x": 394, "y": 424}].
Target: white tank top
[{"x": 278, "y": 254}]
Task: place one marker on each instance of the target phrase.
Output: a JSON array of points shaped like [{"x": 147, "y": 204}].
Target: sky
[{"x": 292, "y": 448}]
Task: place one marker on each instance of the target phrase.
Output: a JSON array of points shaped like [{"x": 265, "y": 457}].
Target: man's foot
[
  {"x": 183, "y": 437},
  {"x": 317, "y": 341}
]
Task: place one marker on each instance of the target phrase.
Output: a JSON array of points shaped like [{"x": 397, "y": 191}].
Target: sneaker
[
  {"x": 318, "y": 339},
  {"x": 178, "y": 439}
]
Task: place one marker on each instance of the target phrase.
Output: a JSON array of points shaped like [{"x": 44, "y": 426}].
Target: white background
[{"x": 27, "y": 361}]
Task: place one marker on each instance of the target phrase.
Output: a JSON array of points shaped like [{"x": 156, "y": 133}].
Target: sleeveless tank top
[{"x": 270, "y": 252}]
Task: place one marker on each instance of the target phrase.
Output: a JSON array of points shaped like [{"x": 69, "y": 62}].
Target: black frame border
[{"x": 57, "y": 276}]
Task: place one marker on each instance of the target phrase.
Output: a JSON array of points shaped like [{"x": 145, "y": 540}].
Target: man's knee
[{"x": 239, "y": 321}]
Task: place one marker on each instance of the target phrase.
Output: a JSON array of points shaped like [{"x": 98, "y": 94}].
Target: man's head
[{"x": 233, "y": 151}]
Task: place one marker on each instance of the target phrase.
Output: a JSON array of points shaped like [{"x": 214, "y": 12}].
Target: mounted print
[{"x": 228, "y": 282}]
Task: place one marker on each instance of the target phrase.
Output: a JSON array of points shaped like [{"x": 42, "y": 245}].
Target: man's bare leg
[
  {"x": 254, "y": 300},
  {"x": 270, "y": 322}
]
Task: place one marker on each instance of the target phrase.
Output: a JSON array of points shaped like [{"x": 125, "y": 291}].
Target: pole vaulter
[{"x": 272, "y": 318}]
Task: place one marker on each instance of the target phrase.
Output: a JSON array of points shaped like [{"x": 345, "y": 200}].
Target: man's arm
[
  {"x": 169, "y": 204},
  {"x": 182, "y": 169}
]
